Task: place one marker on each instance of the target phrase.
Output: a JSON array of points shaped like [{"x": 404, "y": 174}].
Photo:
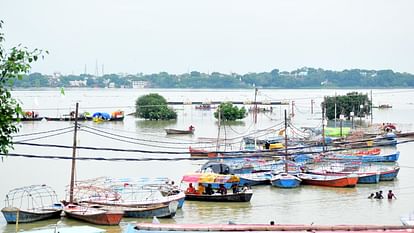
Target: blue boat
[
  {"x": 72, "y": 229},
  {"x": 159, "y": 211},
  {"x": 260, "y": 178},
  {"x": 368, "y": 178},
  {"x": 30, "y": 204},
  {"x": 389, "y": 175},
  {"x": 365, "y": 158},
  {"x": 285, "y": 180}
]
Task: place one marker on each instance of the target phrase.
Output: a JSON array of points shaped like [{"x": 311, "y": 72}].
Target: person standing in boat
[{"x": 191, "y": 128}]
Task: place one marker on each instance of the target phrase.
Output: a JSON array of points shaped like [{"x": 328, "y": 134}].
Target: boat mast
[
  {"x": 218, "y": 131},
  {"x": 323, "y": 125},
  {"x": 72, "y": 173},
  {"x": 286, "y": 144},
  {"x": 255, "y": 117}
]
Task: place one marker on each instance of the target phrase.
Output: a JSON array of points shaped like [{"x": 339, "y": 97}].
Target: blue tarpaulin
[{"x": 103, "y": 115}]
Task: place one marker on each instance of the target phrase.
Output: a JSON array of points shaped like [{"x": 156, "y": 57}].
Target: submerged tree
[
  {"x": 13, "y": 65},
  {"x": 228, "y": 112},
  {"x": 154, "y": 107},
  {"x": 345, "y": 104}
]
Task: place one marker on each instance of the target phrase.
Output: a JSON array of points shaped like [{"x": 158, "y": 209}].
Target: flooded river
[{"x": 305, "y": 204}]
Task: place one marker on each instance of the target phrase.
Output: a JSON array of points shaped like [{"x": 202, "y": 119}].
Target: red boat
[
  {"x": 201, "y": 153},
  {"x": 330, "y": 181},
  {"x": 93, "y": 215}
]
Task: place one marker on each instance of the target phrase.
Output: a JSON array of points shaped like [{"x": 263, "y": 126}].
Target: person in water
[
  {"x": 391, "y": 195},
  {"x": 371, "y": 196},
  {"x": 378, "y": 195}
]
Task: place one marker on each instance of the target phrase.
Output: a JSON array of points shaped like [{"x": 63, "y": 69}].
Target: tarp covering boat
[
  {"x": 102, "y": 115},
  {"x": 211, "y": 178}
]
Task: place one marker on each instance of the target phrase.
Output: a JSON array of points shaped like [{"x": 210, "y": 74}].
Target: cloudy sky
[{"x": 240, "y": 36}]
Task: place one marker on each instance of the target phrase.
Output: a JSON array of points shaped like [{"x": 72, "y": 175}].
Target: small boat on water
[
  {"x": 328, "y": 180},
  {"x": 30, "y": 204},
  {"x": 93, "y": 214},
  {"x": 393, "y": 157},
  {"x": 206, "y": 182},
  {"x": 201, "y": 153},
  {"x": 258, "y": 178},
  {"x": 285, "y": 180},
  {"x": 190, "y": 130}
]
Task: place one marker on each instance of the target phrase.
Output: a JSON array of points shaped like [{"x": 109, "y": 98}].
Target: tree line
[{"x": 300, "y": 78}]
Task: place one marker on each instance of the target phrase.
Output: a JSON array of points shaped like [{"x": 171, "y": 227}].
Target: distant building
[
  {"x": 77, "y": 83},
  {"x": 111, "y": 85},
  {"x": 139, "y": 84}
]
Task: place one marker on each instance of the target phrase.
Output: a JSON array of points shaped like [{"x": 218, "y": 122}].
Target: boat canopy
[
  {"x": 211, "y": 178},
  {"x": 103, "y": 115}
]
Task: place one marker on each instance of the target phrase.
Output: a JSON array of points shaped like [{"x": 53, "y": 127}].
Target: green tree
[
  {"x": 351, "y": 102},
  {"x": 14, "y": 64},
  {"x": 228, "y": 112},
  {"x": 154, "y": 107}
]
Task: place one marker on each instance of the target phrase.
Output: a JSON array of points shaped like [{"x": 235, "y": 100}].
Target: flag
[{"x": 62, "y": 91}]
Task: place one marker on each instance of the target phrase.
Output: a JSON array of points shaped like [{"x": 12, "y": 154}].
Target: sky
[{"x": 241, "y": 36}]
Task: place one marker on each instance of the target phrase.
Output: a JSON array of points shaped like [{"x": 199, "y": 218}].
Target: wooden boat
[
  {"x": 285, "y": 180},
  {"x": 388, "y": 174},
  {"x": 162, "y": 227},
  {"x": 72, "y": 229},
  {"x": 159, "y": 211},
  {"x": 30, "y": 204},
  {"x": 68, "y": 118},
  {"x": 214, "y": 181},
  {"x": 363, "y": 177},
  {"x": 179, "y": 131},
  {"x": 230, "y": 197},
  {"x": 251, "y": 179},
  {"x": 93, "y": 215},
  {"x": 365, "y": 158},
  {"x": 26, "y": 216},
  {"x": 28, "y": 119},
  {"x": 327, "y": 180},
  {"x": 200, "y": 153}
]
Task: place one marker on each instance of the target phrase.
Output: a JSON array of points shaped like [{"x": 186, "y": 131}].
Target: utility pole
[
  {"x": 323, "y": 126},
  {"x": 335, "y": 110},
  {"x": 293, "y": 108},
  {"x": 72, "y": 173},
  {"x": 286, "y": 143},
  {"x": 219, "y": 126},
  {"x": 255, "y": 117},
  {"x": 372, "y": 117},
  {"x": 312, "y": 102}
]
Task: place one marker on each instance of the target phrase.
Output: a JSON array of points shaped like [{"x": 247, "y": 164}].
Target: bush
[
  {"x": 154, "y": 107},
  {"x": 230, "y": 112}
]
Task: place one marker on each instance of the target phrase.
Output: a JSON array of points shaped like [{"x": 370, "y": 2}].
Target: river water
[{"x": 305, "y": 204}]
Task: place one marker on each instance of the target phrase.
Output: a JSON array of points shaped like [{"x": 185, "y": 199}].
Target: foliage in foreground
[
  {"x": 154, "y": 107},
  {"x": 13, "y": 65},
  {"x": 228, "y": 112}
]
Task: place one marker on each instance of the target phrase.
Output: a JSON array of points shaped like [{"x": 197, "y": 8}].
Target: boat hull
[
  {"x": 100, "y": 218},
  {"x": 177, "y": 131},
  {"x": 320, "y": 180},
  {"x": 369, "y": 178},
  {"x": 10, "y": 214},
  {"x": 389, "y": 175},
  {"x": 159, "y": 211},
  {"x": 286, "y": 181},
  {"x": 238, "y": 197}
]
